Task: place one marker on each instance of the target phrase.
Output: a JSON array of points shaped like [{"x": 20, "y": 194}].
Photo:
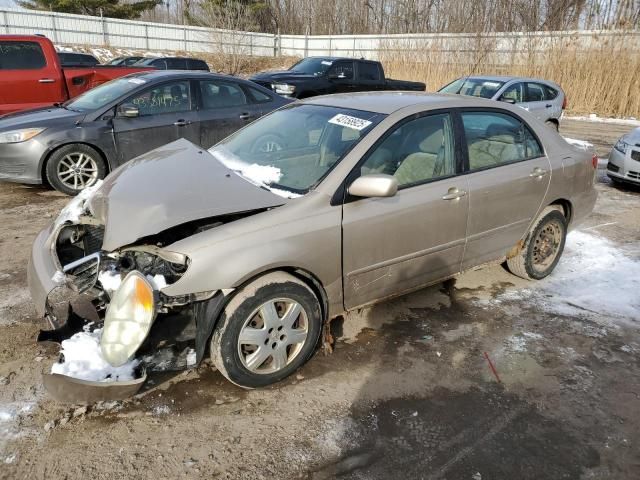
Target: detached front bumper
[{"x": 42, "y": 270}]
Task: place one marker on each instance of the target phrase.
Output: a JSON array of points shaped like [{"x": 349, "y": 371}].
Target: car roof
[
  {"x": 389, "y": 102},
  {"x": 152, "y": 75},
  {"x": 506, "y": 78}
]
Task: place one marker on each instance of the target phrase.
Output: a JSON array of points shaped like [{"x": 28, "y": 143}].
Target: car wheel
[
  {"x": 552, "y": 124},
  {"x": 72, "y": 168},
  {"x": 269, "y": 329},
  {"x": 267, "y": 144},
  {"x": 543, "y": 246}
]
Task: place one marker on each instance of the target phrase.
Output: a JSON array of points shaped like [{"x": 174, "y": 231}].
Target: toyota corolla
[{"x": 246, "y": 253}]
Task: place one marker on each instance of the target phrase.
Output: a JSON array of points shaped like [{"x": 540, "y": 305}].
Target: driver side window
[
  {"x": 169, "y": 97},
  {"x": 417, "y": 151},
  {"x": 343, "y": 70}
]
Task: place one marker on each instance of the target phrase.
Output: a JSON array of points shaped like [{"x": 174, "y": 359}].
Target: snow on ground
[
  {"x": 83, "y": 360},
  {"x": 584, "y": 145},
  {"x": 595, "y": 118},
  {"x": 106, "y": 54},
  {"x": 594, "y": 277}
]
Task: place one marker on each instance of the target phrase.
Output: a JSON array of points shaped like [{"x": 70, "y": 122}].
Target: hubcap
[
  {"x": 77, "y": 171},
  {"x": 273, "y": 336},
  {"x": 546, "y": 245}
]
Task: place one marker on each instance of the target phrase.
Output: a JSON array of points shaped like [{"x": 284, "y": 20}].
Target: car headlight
[
  {"x": 17, "y": 136},
  {"x": 621, "y": 146},
  {"x": 284, "y": 88},
  {"x": 128, "y": 319}
]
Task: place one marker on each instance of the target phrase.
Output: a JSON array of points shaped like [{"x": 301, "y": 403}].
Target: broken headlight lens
[{"x": 128, "y": 319}]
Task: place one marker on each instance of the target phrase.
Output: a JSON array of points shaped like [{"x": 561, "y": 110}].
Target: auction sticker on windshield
[{"x": 350, "y": 122}]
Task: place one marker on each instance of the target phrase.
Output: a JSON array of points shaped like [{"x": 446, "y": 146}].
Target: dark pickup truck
[{"x": 323, "y": 75}]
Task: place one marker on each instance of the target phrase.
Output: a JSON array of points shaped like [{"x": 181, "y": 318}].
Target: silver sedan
[{"x": 624, "y": 159}]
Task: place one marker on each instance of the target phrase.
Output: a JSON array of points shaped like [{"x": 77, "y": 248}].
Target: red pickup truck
[{"x": 31, "y": 75}]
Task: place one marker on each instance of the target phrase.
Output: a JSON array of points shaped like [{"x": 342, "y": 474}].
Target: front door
[
  {"x": 224, "y": 107},
  {"x": 166, "y": 114},
  {"x": 508, "y": 179},
  {"x": 396, "y": 244},
  {"x": 341, "y": 75}
]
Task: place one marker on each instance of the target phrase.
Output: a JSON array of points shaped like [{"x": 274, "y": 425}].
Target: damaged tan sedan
[{"x": 245, "y": 252}]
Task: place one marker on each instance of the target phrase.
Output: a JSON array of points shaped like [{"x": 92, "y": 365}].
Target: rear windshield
[
  {"x": 292, "y": 149},
  {"x": 475, "y": 87},
  {"x": 21, "y": 56}
]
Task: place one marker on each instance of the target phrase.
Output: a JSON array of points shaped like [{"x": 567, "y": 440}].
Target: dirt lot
[{"x": 408, "y": 393}]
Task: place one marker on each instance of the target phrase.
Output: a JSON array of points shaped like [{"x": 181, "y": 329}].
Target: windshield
[
  {"x": 312, "y": 66},
  {"x": 292, "y": 149},
  {"x": 475, "y": 87},
  {"x": 104, "y": 94}
]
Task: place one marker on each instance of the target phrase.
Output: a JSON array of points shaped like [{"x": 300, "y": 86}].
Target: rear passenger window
[
  {"x": 549, "y": 92},
  {"x": 176, "y": 64},
  {"x": 494, "y": 139},
  {"x": 343, "y": 70},
  {"x": 195, "y": 64},
  {"x": 368, "y": 71},
  {"x": 416, "y": 152},
  {"x": 21, "y": 56},
  {"x": 535, "y": 92},
  {"x": 216, "y": 94},
  {"x": 258, "y": 96}
]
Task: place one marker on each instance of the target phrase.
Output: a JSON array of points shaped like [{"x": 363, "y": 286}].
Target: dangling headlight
[{"x": 128, "y": 319}]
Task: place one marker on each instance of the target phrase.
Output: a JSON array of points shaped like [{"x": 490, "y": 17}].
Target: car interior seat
[{"x": 421, "y": 164}]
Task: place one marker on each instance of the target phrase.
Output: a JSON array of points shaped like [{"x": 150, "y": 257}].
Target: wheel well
[
  {"x": 567, "y": 208},
  {"x": 554, "y": 120},
  {"x": 43, "y": 167}
]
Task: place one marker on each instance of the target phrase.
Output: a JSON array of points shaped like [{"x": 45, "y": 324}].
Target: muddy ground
[{"x": 408, "y": 392}]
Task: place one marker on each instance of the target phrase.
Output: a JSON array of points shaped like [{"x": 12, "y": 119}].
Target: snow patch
[
  {"x": 584, "y": 145},
  {"x": 76, "y": 207},
  {"x": 110, "y": 281},
  {"x": 595, "y": 118},
  {"x": 83, "y": 360},
  {"x": 158, "y": 282},
  {"x": 58, "y": 277},
  {"x": 594, "y": 278},
  {"x": 191, "y": 357}
]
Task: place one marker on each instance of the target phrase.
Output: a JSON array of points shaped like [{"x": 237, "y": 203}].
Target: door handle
[
  {"x": 454, "y": 194},
  {"x": 181, "y": 123},
  {"x": 244, "y": 116},
  {"x": 47, "y": 80},
  {"x": 538, "y": 172},
  {"x": 548, "y": 105}
]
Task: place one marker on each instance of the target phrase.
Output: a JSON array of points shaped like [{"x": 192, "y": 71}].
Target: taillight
[
  {"x": 594, "y": 161},
  {"x": 564, "y": 102}
]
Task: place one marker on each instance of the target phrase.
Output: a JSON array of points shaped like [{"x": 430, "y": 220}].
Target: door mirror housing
[
  {"x": 128, "y": 110},
  {"x": 508, "y": 100},
  {"x": 375, "y": 185}
]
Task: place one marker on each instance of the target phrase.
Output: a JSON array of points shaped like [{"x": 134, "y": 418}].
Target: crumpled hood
[
  {"x": 169, "y": 186},
  {"x": 282, "y": 75}
]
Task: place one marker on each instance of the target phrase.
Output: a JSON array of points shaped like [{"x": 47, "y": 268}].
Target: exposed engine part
[
  {"x": 149, "y": 264},
  {"x": 78, "y": 241}
]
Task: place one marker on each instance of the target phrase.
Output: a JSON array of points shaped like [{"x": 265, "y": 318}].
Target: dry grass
[{"x": 599, "y": 77}]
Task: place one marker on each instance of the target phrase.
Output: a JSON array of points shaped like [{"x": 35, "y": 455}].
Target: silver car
[
  {"x": 544, "y": 99},
  {"x": 624, "y": 159},
  {"x": 363, "y": 197}
]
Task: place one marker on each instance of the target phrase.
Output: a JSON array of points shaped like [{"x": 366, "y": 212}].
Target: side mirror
[
  {"x": 128, "y": 110},
  {"x": 375, "y": 185},
  {"x": 508, "y": 100}
]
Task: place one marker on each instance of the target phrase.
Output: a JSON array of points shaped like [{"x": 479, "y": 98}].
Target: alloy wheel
[{"x": 77, "y": 171}]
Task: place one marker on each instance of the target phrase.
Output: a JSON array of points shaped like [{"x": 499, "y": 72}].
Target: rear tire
[
  {"x": 542, "y": 248},
  {"x": 552, "y": 124},
  {"x": 269, "y": 329},
  {"x": 72, "y": 168}
]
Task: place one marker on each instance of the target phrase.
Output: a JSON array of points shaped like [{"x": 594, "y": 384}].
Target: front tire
[
  {"x": 72, "y": 168},
  {"x": 269, "y": 329},
  {"x": 542, "y": 248}
]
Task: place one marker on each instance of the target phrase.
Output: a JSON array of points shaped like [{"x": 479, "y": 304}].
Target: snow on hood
[{"x": 169, "y": 186}]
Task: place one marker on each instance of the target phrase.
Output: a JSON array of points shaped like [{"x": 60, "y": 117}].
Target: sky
[{"x": 8, "y": 3}]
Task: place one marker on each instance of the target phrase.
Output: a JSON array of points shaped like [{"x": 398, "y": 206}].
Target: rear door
[
  {"x": 166, "y": 113},
  {"x": 535, "y": 101},
  {"x": 396, "y": 244},
  {"x": 369, "y": 76},
  {"x": 224, "y": 107},
  {"x": 508, "y": 176},
  {"x": 26, "y": 79}
]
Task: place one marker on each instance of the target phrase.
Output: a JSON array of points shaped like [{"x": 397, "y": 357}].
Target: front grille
[
  {"x": 83, "y": 274},
  {"x": 635, "y": 154},
  {"x": 612, "y": 168},
  {"x": 634, "y": 175},
  {"x": 92, "y": 239}
]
